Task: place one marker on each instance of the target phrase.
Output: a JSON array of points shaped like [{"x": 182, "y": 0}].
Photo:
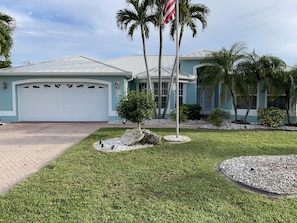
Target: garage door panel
[{"x": 63, "y": 102}]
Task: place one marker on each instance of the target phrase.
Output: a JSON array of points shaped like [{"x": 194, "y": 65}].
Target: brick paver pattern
[{"x": 27, "y": 147}]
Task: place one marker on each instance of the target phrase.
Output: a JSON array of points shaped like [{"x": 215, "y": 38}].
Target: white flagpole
[{"x": 177, "y": 66}]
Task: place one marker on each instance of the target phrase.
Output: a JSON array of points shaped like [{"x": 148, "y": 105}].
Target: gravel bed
[
  {"x": 115, "y": 145},
  {"x": 274, "y": 175}
]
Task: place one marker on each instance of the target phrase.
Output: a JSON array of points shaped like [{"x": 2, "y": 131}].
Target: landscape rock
[
  {"x": 132, "y": 136},
  {"x": 150, "y": 138}
]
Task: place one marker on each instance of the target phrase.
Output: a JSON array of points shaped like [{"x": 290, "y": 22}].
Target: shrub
[
  {"x": 182, "y": 114},
  {"x": 272, "y": 116},
  {"x": 193, "y": 111},
  {"x": 216, "y": 116},
  {"x": 137, "y": 106}
]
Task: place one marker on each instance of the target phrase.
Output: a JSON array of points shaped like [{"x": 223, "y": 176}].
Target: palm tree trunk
[
  {"x": 248, "y": 108},
  {"x": 234, "y": 102},
  {"x": 172, "y": 76},
  {"x": 287, "y": 106},
  {"x": 146, "y": 63}
]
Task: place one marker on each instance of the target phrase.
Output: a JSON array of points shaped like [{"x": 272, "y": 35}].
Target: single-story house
[{"x": 82, "y": 89}]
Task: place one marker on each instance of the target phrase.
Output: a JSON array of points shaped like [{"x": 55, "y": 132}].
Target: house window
[
  {"x": 141, "y": 86},
  {"x": 181, "y": 93},
  {"x": 243, "y": 104},
  {"x": 276, "y": 101},
  {"x": 163, "y": 94}
]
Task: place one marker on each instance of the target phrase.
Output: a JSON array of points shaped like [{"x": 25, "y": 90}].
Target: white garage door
[{"x": 63, "y": 102}]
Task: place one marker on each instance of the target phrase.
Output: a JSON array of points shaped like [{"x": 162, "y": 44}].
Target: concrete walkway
[{"x": 27, "y": 147}]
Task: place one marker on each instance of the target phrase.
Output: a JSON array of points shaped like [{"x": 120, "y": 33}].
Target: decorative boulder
[
  {"x": 150, "y": 138},
  {"x": 132, "y": 137}
]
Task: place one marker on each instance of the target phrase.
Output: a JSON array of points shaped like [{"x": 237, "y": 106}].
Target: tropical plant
[
  {"x": 267, "y": 69},
  {"x": 193, "y": 111},
  {"x": 181, "y": 114},
  {"x": 7, "y": 27},
  {"x": 138, "y": 17},
  {"x": 189, "y": 14},
  {"x": 137, "y": 106},
  {"x": 290, "y": 82},
  {"x": 222, "y": 69},
  {"x": 217, "y": 116},
  {"x": 158, "y": 22},
  {"x": 272, "y": 117},
  {"x": 279, "y": 81}
]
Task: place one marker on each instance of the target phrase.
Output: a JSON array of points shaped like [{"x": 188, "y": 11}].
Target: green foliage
[
  {"x": 216, "y": 116},
  {"x": 137, "y": 106},
  {"x": 182, "y": 114},
  {"x": 272, "y": 116},
  {"x": 193, "y": 111},
  {"x": 4, "y": 64}
]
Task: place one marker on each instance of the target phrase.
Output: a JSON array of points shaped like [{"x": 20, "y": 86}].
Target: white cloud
[{"x": 52, "y": 29}]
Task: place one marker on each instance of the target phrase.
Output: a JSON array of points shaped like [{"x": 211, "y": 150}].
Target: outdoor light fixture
[
  {"x": 117, "y": 87},
  {"x": 4, "y": 85}
]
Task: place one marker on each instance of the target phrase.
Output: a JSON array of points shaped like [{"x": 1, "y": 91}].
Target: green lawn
[{"x": 167, "y": 183}]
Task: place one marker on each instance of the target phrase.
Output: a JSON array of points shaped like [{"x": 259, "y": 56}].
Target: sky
[{"x": 55, "y": 29}]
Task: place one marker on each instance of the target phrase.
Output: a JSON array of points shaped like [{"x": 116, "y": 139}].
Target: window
[
  {"x": 243, "y": 104},
  {"x": 141, "y": 86},
  {"x": 276, "y": 101},
  {"x": 163, "y": 94},
  {"x": 181, "y": 93}
]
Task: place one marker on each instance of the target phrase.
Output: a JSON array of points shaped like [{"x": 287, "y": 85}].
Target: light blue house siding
[
  {"x": 116, "y": 77},
  {"x": 9, "y": 98}
]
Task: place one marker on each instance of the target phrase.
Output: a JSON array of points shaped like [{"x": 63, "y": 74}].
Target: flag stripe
[{"x": 169, "y": 11}]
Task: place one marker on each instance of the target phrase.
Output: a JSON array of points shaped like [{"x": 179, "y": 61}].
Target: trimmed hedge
[{"x": 272, "y": 117}]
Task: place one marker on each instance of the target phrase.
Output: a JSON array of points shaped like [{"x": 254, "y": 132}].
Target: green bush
[
  {"x": 216, "y": 116},
  {"x": 182, "y": 114},
  {"x": 272, "y": 116},
  {"x": 193, "y": 111},
  {"x": 137, "y": 106}
]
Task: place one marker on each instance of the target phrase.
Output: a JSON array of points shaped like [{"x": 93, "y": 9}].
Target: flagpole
[{"x": 177, "y": 66}]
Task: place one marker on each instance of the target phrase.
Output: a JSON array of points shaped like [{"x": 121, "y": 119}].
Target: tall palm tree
[
  {"x": 189, "y": 15},
  {"x": 222, "y": 70},
  {"x": 138, "y": 17},
  {"x": 7, "y": 26},
  {"x": 159, "y": 10}
]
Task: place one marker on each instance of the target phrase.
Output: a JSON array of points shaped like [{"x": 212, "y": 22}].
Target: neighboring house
[{"x": 82, "y": 89}]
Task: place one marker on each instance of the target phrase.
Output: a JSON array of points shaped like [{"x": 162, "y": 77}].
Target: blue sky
[{"x": 54, "y": 29}]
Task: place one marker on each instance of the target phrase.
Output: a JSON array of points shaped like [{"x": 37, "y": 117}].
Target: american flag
[{"x": 169, "y": 11}]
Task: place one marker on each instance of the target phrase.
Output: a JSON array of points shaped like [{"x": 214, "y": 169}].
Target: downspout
[{"x": 129, "y": 80}]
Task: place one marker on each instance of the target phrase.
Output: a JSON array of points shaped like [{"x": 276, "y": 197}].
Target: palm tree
[
  {"x": 138, "y": 17},
  {"x": 252, "y": 72},
  {"x": 291, "y": 90},
  {"x": 188, "y": 16},
  {"x": 254, "y": 69},
  {"x": 279, "y": 81},
  {"x": 159, "y": 10},
  {"x": 222, "y": 70},
  {"x": 6, "y": 29}
]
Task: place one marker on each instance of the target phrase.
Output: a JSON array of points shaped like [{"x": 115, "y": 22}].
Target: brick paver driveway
[{"x": 26, "y": 147}]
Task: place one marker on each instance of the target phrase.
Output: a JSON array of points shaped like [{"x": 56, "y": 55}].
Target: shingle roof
[{"x": 74, "y": 65}]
